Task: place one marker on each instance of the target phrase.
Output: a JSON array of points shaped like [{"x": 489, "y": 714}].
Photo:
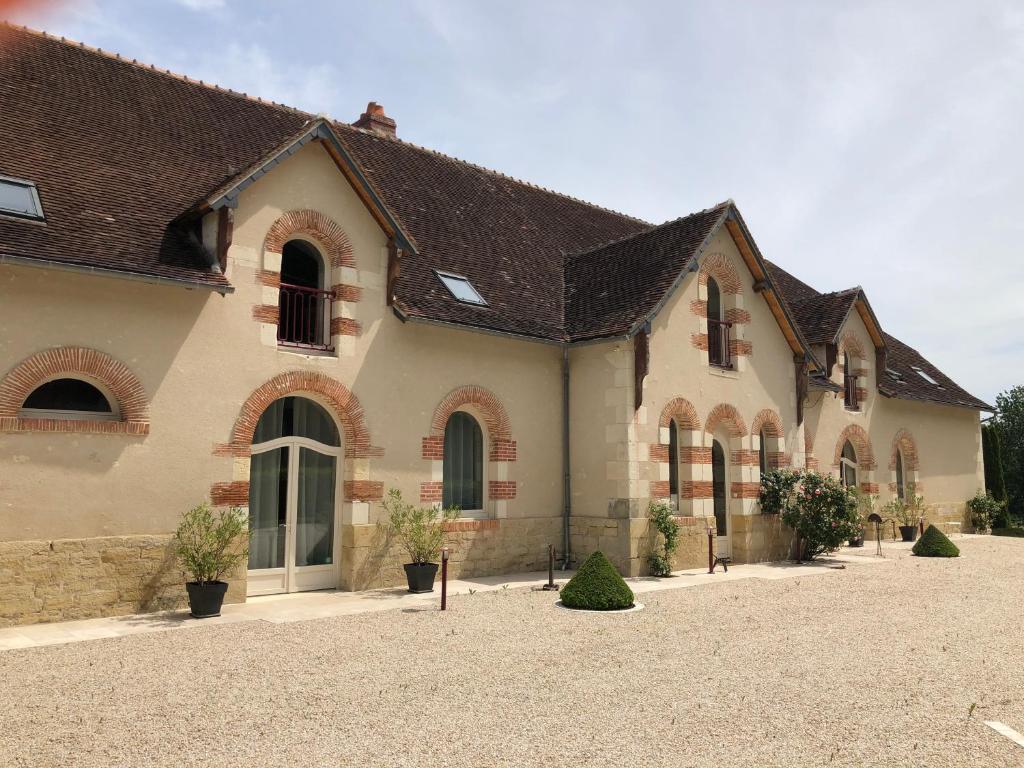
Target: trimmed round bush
[
  {"x": 934, "y": 543},
  {"x": 597, "y": 586}
]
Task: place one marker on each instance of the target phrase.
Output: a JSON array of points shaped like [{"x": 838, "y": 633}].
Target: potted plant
[
  {"x": 210, "y": 546},
  {"x": 421, "y": 531},
  {"x": 906, "y": 513},
  {"x": 865, "y": 506}
]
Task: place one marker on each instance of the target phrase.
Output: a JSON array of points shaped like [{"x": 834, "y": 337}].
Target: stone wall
[
  {"x": 371, "y": 559},
  {"x": 67, "y": 579}
]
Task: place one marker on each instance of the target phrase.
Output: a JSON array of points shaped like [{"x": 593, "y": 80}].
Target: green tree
[
  {"x": 991, "y": 445},
  {"x": 1010, "y": 426}
]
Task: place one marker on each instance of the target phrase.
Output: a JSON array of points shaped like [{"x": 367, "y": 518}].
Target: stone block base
[{"x": 66, "y": 579}]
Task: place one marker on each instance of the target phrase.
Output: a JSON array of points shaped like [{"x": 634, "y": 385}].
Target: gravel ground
[{"x": 868, "y": 666}]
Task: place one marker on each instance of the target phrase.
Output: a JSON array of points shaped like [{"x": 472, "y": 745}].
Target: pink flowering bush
[{"x": 820, "y": 509}]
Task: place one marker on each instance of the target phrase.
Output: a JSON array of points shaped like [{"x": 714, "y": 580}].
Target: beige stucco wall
[{"x": 200, "y": 355}]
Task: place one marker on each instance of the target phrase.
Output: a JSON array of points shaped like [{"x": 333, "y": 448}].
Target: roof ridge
[
  {"x": 652, "y": 228},
  {"x": 152, "y": 68},
  {"x": 829, "y": 295},
  {"x": 493, "y": 172}
]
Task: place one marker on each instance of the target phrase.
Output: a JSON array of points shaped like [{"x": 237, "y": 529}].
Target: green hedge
[
  {"x": 597, "y": 586},
  {"x": 1018, "y": 532},
  {"x": 934, "y": 543}
]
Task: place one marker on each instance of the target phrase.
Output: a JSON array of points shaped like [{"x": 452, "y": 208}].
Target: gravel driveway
[{"x": 869, "y": 666}]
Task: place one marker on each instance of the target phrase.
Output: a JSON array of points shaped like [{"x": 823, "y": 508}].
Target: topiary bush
[
  {"x": 934, "y": 543},
  {"x": 597, "y": 586}
]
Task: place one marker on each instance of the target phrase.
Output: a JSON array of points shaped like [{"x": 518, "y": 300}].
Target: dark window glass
[
  {"x": 673, "y": 463},
  {"x": 304, "y": 306},
  {"x": 718, "y": 488},
  {"x": 848, "y": 466},
  {"x": 849, "y": 384},
  {"x": 463, "y": 474},
  {"x": 296, "y": 417},
  {"x": 19, "y": 198},
  {"x": 718, "y": 331},
  {"x": 68, "y": 395},
  {"x": 763, "y": 455},
  {"x": 300, "y": 265},
  {"x": 714, "y": 300},
  {"x": 901, "y": 490}
]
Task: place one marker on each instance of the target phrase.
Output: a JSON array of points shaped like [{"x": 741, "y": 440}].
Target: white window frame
[{"x": 445, "y": 276}]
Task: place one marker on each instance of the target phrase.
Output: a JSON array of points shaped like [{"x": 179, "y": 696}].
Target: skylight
[
  {"x": 924, "y": 375},
  {"x": 19, "y": 198},
  {"x": 461, "y": 288}
]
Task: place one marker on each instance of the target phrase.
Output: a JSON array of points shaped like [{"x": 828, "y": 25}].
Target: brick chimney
[{"x": 375, "y": 120}]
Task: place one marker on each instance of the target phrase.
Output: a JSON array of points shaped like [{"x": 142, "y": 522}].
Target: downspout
[{"x": 566, "y": 476}]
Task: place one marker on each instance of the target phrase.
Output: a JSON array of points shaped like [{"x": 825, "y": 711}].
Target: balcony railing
[
  {"x": 718, "y": 343},
  {"x": 304, "y": 317},
  {"x": 850, "y": 388}
]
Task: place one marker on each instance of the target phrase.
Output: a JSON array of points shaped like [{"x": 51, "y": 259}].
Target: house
[{"x": 208, "y": 296}]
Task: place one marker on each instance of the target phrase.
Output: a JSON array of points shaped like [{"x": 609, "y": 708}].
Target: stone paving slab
[{"x": 304, "y": 606}]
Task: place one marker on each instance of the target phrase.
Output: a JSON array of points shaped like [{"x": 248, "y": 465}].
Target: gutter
[
  {"x": 566, "y": 474},
  {"x": 24, "y": 261}
]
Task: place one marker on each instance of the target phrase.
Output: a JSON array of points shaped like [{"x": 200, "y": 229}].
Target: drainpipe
[{"x": 566, "y": 476}]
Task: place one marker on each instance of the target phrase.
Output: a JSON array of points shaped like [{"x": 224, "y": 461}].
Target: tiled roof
[
  {"x": 120, "y": 151},
  {"x": 899, "y": 379}
]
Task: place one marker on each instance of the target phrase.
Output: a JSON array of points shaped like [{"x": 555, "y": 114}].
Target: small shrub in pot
[
  {"x": 210, "y": 545},
  {"x": 421, "y": 533}
]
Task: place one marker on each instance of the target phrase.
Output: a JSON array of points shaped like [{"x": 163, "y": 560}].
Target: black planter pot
[
  {"x": 908, "y": 532},
  {"x": 205, "y": 599},
  {"x": 856, "y": 541},
  {"x": 420, "y": 576}
]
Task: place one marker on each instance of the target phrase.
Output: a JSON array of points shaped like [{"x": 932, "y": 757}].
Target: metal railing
[
  {"x": 850, "y": 388},
  {"x": 719, "y": 353},
  {"x": 304, "y": 317}
]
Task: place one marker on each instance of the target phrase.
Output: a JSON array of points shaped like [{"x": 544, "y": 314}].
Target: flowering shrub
[
  {"x": 777, "y": 490},
  {"x": 823, "y": 513},
  {"x": 663, "y": 521},
  {"x": 986, "y": 512}
]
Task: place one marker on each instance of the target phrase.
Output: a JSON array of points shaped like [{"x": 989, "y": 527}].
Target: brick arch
[
  {"x": 720, "y": 267},
  {"x": 327, "y": 232},
  {"x": 849, "y": 342},
  {"x": 904, "y": 441},
  {"x": 74, "y": 362},
  {"x": 336, "y": 396},
  {"x": 723, "y": 413},
  {"x": 682, "y": 411},
  {"x": 769, "y": 422},
  {"x": 484, "y": 400},
  {"x": 861, "y": 444}
]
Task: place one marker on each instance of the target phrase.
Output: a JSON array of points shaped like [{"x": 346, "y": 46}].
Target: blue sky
[{"x": 872, "y": 143}]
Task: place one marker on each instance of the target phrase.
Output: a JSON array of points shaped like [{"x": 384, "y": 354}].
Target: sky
[{"x": 872, "y": 144}]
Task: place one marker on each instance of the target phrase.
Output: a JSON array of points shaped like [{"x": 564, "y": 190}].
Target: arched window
[
  {"x": 718, "y": 329},
  {"x": 673, "y": 464},
  {"x": 718, "y": 489},
  {"x": 304, "y": 303},
  {"x": 848, "y": 466},
  {"x": 849, "y": 383},
  {"x": 901, "y": 488},
  {"x": 68, "y": 399},
  {"x": 296, "y": 417},
  {"x": 463, "y": 467},
  {"x": 762, "y": 454}
]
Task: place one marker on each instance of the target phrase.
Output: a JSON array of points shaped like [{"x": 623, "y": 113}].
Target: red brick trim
[
  {"x": 343, "y": 292},
  {"x": 745, "y": 490},
  {"x": 363, "y": 490},
  {"x": 459, "y": 526},
  {"x": 265, "y": 313},
  {"x": 849, "y": 342},
  {"x": 345, "y": 326},
  {"x": 695, "y": 489},
  {"x": 699, "y": 341},
  {"x": 233, "y": 494},
  {"x": 720, "y": 267},
  {"x": 737, "y": 316},
  {"x": 432, "y": 448},
  {"x": 268, "y": 278},
  {"x": 74, "y": 362},
  {"x": 904, "y": 441},
  {"x": 338, "y": 399},
  {"x": 861, "y": 444},
  {"x": 869, "y": 488},
  {"x": 431, "y": 492},
  {"x": 769, "y": 422},
  {"x": 699, "y": 307},
  {"x": 324, "y": 230},
  {"x": 723, "y": 413},
  {"x": 501, "y": 490},
  {"x": 777, "y": 459},
  {"x": 745, "y": 457},
  {"x": 682, "y": 411},
  {"x": 740, "y": 348},
  {"x": 493, "y": 412},
  {"x": 691, "y": 454},
  {"x": 660, "y": 489}
]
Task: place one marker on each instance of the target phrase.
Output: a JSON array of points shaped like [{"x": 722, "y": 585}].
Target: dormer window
[
  {"x": 718, "y": 329},
  {"x": 850, "y": 399},
  {"x": 460, "y": 288},
  {"x": 19, "y": 198}
]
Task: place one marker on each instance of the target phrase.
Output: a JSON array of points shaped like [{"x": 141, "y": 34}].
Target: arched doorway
[
  {"x": 721, "y": 499},
  {"x": 848, "y": 465},
  {"x": 294, "y": 496}
]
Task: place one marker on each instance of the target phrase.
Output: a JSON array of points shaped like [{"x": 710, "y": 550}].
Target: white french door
[{"x": 294, "y": 496}]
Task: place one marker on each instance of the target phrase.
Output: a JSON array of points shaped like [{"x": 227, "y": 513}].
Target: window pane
[
  {"x": 762, "y": 455},
  {"x": 714, "y": 300},
  {"x": 673, "y": 464},
  {"x": 18, "y": 198},
  {"x": 900, "y": 489},
  {"x": 296, "y": 417},
  {"x": 314, "y": 517},
  {"x": 68, "y": 395},
  {"x": 461, "y": 288},
  {"x": 718, "y": 488},
  {"x": 463, "y": 473},
  {"x": 268, "y": 508}
]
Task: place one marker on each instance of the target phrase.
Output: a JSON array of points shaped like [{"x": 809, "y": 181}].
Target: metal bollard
[
  {"x": 444, "y": 578},
  {"x": 551, "y": 586},
  {"x": 920, "y": 525},
  {"x": 711, "y": 551}
]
